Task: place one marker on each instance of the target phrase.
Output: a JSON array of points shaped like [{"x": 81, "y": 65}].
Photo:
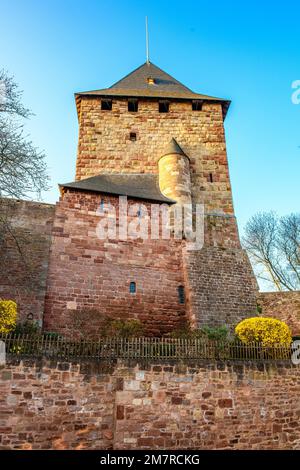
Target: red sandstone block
[
  {"x": 176, "y": 401},
  {"x": 120, "y": 414},
  {"x": 225, "y": 403},
  {"x": 145, "y": 442}
]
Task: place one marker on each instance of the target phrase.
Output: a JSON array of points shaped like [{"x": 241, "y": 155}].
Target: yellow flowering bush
[
  {"x": 8, "y": 316},
  {"x": 267, "y": 331}
]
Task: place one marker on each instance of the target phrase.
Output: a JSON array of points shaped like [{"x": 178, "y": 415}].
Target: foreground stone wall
[
  {"x": 24, "y": 252},
  {"x": 54, "y": 405},
  {"x": 282, "y": 305}
]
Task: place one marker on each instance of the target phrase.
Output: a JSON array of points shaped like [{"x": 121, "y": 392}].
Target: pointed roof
[
  {"x": 161, "y": 85},
  {"x": 136, "y": 185},
  {"x": 139, "y": 80},
  {"x": 174, "y": 147}
]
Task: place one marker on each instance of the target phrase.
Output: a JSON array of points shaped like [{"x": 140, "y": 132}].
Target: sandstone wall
[
  {"x": 104, "y": 145},
  {"x": 24, "y": 254},
  {"x": 282, "y": 305},
  {"x": 91, "y": 277},
  {"x": 221, "y": 286},
  {"x": 53, "y": 405}
]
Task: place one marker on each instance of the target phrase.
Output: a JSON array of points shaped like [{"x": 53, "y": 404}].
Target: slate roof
[
  {"x": 135, "y": 84},
  {"x": 141, "y": 186}
]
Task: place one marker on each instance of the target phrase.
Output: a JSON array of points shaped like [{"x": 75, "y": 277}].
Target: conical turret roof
[{"x": 173, "y": 147}]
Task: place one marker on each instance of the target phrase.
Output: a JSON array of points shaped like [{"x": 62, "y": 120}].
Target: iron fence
[{"x": 144, "y": 348}]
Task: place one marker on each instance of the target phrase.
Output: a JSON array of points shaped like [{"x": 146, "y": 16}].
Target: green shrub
[
  {"x": 185, "y": 333},
  {"x": 218, "y": 333},
  {"x": 28, "y": 328},
  {"x": 52, "y": 334},
  {"x": 259, "y": 309},
  {"x": 123, "y": 328}
]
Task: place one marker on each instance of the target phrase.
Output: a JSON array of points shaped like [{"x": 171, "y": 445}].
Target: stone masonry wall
[
  {"x": 221, "y": 286},
  {"x": 282, "y": 305},
  {"x": 45, "y": 405},
  {"x": 50, "y": 405},
  {"x": 105, "y": 147},
  {"x": 24, "y": 252},
  {"x": 89, "y": 278}
]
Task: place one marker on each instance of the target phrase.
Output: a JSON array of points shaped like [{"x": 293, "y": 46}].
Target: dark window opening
[
  {"x": 133, "y": 106},
  {"x": 181, "y": 295},
  {"x": 132, "y": 136},
  {"x": 163, "y": 106},
  {"x": 211, "y": 178},
  {"x": 106, "y": 105},
  {"x": 132, "y": 288},
  {"x": 101, "y": 205},
  {"x": 196, "y": 105}
]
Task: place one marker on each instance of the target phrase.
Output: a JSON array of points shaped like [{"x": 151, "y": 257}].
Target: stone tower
[{"x": 151, "y": 138}]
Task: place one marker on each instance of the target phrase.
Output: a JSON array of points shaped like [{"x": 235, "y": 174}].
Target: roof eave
[
  {"x": 224, "y": 102},
  {"x": 163, "y": 199}
]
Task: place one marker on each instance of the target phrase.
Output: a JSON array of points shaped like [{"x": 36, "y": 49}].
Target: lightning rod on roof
[{"x": 147, "y": 41}]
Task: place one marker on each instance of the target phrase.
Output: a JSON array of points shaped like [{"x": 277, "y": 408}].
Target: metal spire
[{"x": 147, "y": 42}]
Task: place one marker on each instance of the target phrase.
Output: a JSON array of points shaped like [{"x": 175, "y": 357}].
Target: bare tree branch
[
  {"x": 22, "y": 175},
  {"x": 10, "y": 97},
  {"x": 22, "y": 166},
  {"x": 273, "y": 245}
]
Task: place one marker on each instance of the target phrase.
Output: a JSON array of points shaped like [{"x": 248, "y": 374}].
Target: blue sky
[{"x": 245, "y": 51}]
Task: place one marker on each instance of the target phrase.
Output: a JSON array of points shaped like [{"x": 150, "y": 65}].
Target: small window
[
  {"x": 133, "y": 106},
  {"x": 163, "y": 106},
  {"x": 150, "y": 81},
  {"x": 132, "y": 288},
  {"x": 181, "y": 295},
  {"x": 196, "y": 105},
  {"x": 106, "y": 105},
  {"x": 132, "y": 136},
  {"x": 211, "y": 178}
]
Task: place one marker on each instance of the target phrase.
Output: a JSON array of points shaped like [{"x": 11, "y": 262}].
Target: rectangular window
[
  {"x": 106, "y": 105},
  {"x": 132, "y": 288},
  {"x": 133, "y": 106},
  {"x": 196, "y": 105},
  {"x": 181, "y": 295},
  {"x": 163, "y": 106},
  {"x": 132, "y": 136}
]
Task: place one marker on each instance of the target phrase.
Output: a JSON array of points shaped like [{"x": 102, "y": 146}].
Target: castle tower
[{"x": 124, "y": 148}]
